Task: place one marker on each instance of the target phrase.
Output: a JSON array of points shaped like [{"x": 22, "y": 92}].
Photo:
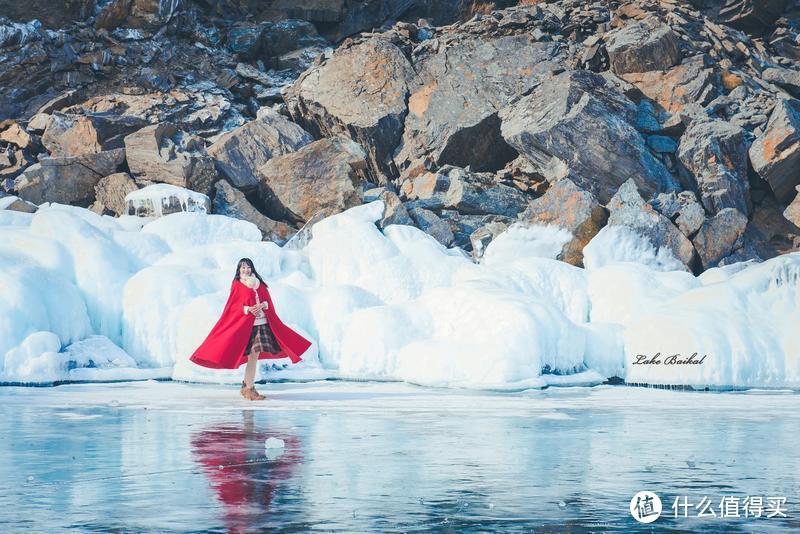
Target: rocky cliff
[{"x": 676, "y": 118}]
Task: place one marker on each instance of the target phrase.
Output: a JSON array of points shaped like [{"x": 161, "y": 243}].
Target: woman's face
[{"x": 244, "y": 270}]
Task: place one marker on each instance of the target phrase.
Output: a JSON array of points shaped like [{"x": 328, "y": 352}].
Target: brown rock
[
  {"x": 394, "y": 211},
  {"x": 67, "y": 180},
  {"x": 360, "y": 93},
  {"x": 775, "y": 155},
  {"x": 326, "y": 175},
  {"x": 231, "y": 202},
  {"x": 690, "y": 82},
  {"x": 111, "y": 190},
  {"x": 16, "y": 135},
  {"x": 239, "y": 153},
  {"x": 75, "y": 135},
  {"x": 569, "y": 207},
  {"x": 162, "y": 153},
  {"x": 719, "y": 236}
]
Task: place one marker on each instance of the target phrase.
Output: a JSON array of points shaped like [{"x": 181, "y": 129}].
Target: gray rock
[
  {"x": 642, "y": 46},
  {"x": 360, "y": 92},
  {"x": 662, "y": 144},
  {"x": 469, "y": 193},
  {"x": 163, "y": 153},
  {"x": 715, "y": 153},
  {"x": 785, "y": 78},
  {"x": 323, "y": 176},
  {"x": 577, "y": 124},
  {"x": 464, "y": 226},
  {"x": 394, "y": 211},
  {"x": 480, "y": 238},
  {"x": 231, "y": 202},
  {"x": 719, "y": 236},
  {"x": 683, "y": 209},
  {"x": 792, "y": 211},
  {"x": 67, "y": 180},
  {"x": 239, "y": 153},
  {"x": 452, "y": 113},
  {"x": 569, "y": 207},
  {"x": 628, "y": 208},
  {"x": 431, "y": 224},
  {"x": 775, "y": 155}
]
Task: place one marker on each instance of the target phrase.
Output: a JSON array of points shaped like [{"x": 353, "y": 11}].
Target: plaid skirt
[{"x": 262, "y": 340}]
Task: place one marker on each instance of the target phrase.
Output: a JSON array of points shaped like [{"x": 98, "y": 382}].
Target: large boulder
[
  {"x": 719, "y": 236},
  {"x": 785, "y": 78},
  {"x": 715, "y": 152},
  {"x": 163, "y": 153},
  {"x": 239, "y": 153},
  {"x": 74, "y": 135},
  {"x": 569, "y": 207},
  {"x": 642, "y": 46},
  {"x": 325, "y": 176},
  {"x": 693, "y": 81},
  {"x": 628, "y": 208},
  {"x": 775, "y": 155},
  {"x": 452, "y": 113},
  {"x": 231, "y": 202},
  {"x": 360, "y": 92},
  {"x": 67, "y": 180},
  {"x": 110, "y": 193},
  {"x": 468, "y": 192},
  {"x": 577, "y": 124}
]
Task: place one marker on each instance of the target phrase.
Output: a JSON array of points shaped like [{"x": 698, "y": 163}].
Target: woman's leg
[{"x": 250, "y": 369}]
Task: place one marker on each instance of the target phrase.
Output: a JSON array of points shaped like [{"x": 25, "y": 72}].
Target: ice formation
[{"x": 89, "y": 297}]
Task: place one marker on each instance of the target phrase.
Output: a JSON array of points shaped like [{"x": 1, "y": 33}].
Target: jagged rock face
[
  {"x": 715, "y": 152},
  {"x": 469, "y": 193},
  {"x": 238, "y": 154},
  {"x": 452, "y": 112},
  {"x": 75, "y": 135},
  {"x": 162, "y": 153},
  {"x": 785, "y": 78},
  {"x": 231, "y": 202},
  {"x": 720, "y": 236},
  {"x": 752, "y": 16},
  {"x": 642, "y": 46},
  {"x": 464, "y": 225},
  {"x": 775, "y": 155},
  {"x": 569, "y": 207},
  {"x": 52, "y": 16},
  {"x": 69, "y": 180},
  {"x": 628, "y": 208},
  {"x": 360, "y": 92},
  {"x": 575, "y": 123},
  {"x": 693, "y": 81},
  {"x": 683, "y": 209},
  {"x": 324, "y": 176}
]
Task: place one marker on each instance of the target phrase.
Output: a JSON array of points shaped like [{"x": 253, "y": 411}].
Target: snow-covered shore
[{"x": 85, "y": 297}]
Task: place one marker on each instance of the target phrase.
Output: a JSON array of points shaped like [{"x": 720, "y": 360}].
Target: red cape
[{"x": 224, "y": 347}]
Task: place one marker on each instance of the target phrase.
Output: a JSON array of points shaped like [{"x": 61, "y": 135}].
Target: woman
[{"x": 248, "y": 330}]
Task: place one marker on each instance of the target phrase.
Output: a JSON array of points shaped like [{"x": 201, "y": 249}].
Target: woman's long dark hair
[{"x": 249, "y": 262}]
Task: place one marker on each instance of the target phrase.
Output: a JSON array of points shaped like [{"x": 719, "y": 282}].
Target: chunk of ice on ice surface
[{"x": 274, "y": 443}]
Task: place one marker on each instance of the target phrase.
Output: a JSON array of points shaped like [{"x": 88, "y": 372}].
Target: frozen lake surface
[{"x": 168, "y": 456}]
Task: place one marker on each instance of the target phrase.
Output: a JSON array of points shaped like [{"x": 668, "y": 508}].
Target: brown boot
[
  {"x": 243, "y": 390},
  {"x": 251, "y": 393}
]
